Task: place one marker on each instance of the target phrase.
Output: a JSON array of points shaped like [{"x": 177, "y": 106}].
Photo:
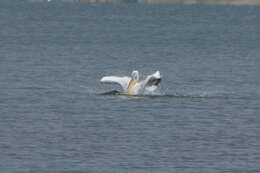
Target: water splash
[{"x": 181, "y": 94}]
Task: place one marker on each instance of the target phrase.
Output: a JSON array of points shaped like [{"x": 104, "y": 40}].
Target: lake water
[{"x": 204, "y": 118}]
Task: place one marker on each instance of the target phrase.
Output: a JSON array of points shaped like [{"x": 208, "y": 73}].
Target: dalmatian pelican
[{"x": 131, "y": 84}]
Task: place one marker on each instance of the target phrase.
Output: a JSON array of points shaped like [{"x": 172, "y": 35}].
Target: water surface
[{"x": 53, "y": 118}]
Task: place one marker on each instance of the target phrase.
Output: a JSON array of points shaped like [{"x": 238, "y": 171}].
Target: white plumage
[{"x": 131, "y": 84}]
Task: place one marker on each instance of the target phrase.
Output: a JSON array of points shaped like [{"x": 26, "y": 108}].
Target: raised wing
[
  {"x": 122, "y": 81},
  {"x": 152, "y": 80}
]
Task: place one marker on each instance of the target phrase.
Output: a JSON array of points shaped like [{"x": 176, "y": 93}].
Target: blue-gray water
[{"x": 205, "y": 119}]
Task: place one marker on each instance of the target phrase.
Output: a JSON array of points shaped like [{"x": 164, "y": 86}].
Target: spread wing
[
  {"x": 152, "y": 80},
  {"x": 122, "y": 81}
]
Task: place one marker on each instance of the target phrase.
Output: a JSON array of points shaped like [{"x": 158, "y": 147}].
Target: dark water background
[{"x": 52, "y": 118}]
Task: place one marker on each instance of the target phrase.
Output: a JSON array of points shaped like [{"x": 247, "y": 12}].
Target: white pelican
[{"x": 132, "y": 86}]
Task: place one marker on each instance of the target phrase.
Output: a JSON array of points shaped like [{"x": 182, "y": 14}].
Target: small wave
[{"x": 192, "y": 95}]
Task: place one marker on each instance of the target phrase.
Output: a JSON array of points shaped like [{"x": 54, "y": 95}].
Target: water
[{"x": 53, "y": 118}]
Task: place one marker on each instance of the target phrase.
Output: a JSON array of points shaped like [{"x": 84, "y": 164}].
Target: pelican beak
[{"x": 130, "y": 87}]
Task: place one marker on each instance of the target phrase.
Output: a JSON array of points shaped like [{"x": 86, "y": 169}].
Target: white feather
[
  {"x": 143, "y": 87},
  {"x": 122, "y": 81}
]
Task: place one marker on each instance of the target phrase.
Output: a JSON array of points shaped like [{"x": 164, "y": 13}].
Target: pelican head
[{"x": 135, "y": 75}]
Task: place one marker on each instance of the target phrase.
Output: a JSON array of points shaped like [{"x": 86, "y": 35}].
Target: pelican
[{"x": 131, "y": 84}]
